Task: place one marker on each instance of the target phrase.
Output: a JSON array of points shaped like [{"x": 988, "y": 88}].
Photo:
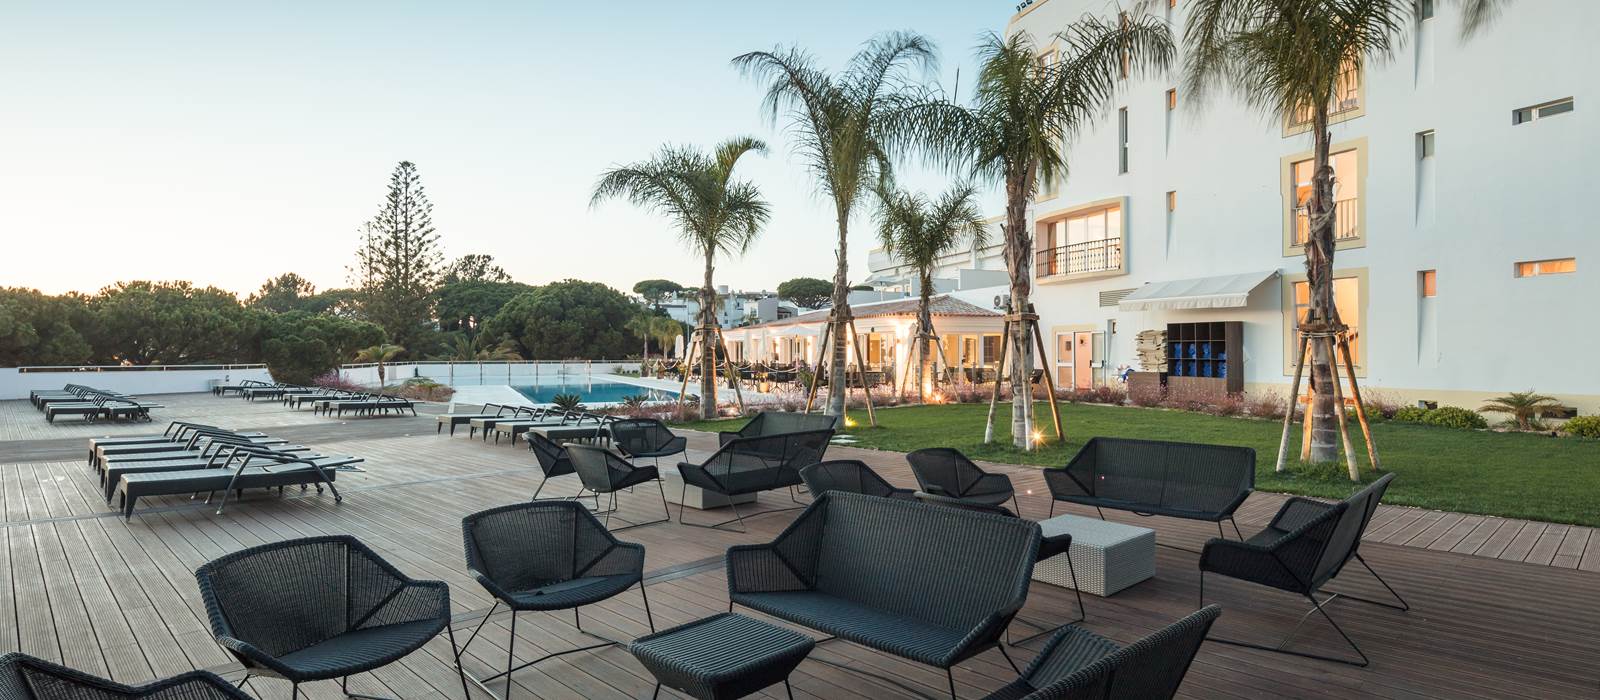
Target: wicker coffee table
[
  {"x": 722, "y": 657},
  {"x": 1107, "y": 556}
]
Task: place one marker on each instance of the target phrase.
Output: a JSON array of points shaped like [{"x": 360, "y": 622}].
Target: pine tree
[{"x": 398, "y": 263}]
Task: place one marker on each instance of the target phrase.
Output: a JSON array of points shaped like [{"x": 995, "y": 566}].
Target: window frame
[
  {"x": 1051, "y": 218},
  {"x": 1287, "y": 191},
  {"x": 1123, "y": 129},
  {"x": 1524, "y": 269},
  {"x": 1291, "y": 128},
  {"x": 1536, "y": 112},
  {"x": 1363, "y": 303}
]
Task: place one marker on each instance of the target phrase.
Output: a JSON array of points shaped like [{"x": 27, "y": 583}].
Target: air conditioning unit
[{"x": 1002, "y": 301}]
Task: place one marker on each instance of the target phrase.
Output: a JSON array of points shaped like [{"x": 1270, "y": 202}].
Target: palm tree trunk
[
  {"x": 1018, "y": 252},
  {"x": 708, "y": 352},
  {"x": 380, "y": 375},
  {"x": 1319, "y": 279},
  {"x": 924, "y": 329},
  {"x": 838, "y": 385}
]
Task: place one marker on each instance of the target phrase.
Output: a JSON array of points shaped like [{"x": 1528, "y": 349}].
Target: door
[
  {"x": 1064, "y": 356},
  {"x": 1083, "y": 360}
]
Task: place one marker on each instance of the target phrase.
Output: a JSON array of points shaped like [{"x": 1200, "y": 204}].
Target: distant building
[{"x": 733, "y": 308}]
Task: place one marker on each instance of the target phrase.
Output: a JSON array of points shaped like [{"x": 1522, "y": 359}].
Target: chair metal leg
[
  {"x": 1403, "y": 606},
  {"x": 1083, "y": 613},
  {"x": 466, "y": 693},
  {"x": 1002, "y": 649},
  {"x": 788, "y": 690},
  {"x": 647, "y": 616},
  {"x": 1235, "y": 524},
  {"x": 666, "y": 512},
  {"x": 511, "y": 655},
  {"x": 1280, "y": 647}
]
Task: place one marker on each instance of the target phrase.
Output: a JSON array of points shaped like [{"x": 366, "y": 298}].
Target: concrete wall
[
  {"x": 15, "y": 384},
  {"x": 1499, "y": 194}
]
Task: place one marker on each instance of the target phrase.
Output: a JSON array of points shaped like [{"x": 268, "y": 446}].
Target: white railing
[
  {"x": 1104, "y": 255},
  {"x": 487, "y": 372}
]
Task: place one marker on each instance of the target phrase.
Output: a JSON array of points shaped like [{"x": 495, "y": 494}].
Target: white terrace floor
[{"x": 1501, "y": 608}]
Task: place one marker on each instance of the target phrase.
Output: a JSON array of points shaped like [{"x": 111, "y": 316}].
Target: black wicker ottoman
[{"x": 722, "y": 657}]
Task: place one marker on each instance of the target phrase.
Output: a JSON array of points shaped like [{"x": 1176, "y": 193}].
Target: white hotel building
[{"x": 1468, "y": 251}]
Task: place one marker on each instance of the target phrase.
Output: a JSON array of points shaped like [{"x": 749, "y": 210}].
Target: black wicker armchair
[
  {"x": 553, "y": 462},
  {"x": 850, "y": 476},
  {"x": 1077, "y": 664},
  {"x": 1306, "y": 545},
  {"x": 943, "y": 471},
  {"x": 603, "y": 471},
  {"x": 753, "y": 465},
  {"x": 646, "y": 437},
  {"x": 547, "y": 556},
  {"x": 23, "y": 677},
  {"x": 882, "y": 573},
  {"x": 319, "y": 608}
]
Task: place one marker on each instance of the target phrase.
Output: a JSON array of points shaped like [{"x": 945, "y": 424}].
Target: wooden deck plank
[{"x": 1572, "y": 547}]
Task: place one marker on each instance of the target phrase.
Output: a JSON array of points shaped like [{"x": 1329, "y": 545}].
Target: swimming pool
[{"x": 593, "y": 391}]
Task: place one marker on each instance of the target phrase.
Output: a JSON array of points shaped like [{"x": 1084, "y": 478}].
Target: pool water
[{"x": 592, "y": 391}]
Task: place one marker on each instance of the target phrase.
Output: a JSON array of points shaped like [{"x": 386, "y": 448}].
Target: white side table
[{"x": 1107, "y": 556}]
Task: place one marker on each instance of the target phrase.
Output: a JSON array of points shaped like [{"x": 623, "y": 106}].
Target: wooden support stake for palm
[
  {"x": 1000, "y": 371},
  {"x": 861, "y": 372},
  {"x": 1338, "y": 406},
  {"x": 1361, "y": 406},
  {"x": 688, "y": 355},
  {"x": 1294, "y": 397},
  {"x": 822, "y": 353},
  {"x": 733, "y": 379},
  {"x": 1049, "y": 381}
]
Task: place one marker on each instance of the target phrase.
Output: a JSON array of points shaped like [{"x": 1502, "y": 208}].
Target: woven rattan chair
[
  {"x": 883, "y": 573},
  {"x": 603, "y": 471},
  {"x": 646, "y": 437},
  {"x": 1306, "y": 545},
  {"x": 943, "y": 471},
  {"x": 1048, "y": 547},
  {"x": 319, "y": 608},
  {"x": 752, "y": 465},
  {"x": 23, "y": 677},
  {"x": 850, "y": 476},
  {"x": 547, "y": 556},
  {"x": 1077, "y": 664},
  {"x": 553, "y": 461},
  {"x": 1152, "y": 477}
]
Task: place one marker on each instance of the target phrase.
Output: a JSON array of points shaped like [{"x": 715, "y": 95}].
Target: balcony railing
[
  {"x": 1079, "y": 258},
  {"x": 1346, "y": 222},
  {"x": 1346, "y": 98}
]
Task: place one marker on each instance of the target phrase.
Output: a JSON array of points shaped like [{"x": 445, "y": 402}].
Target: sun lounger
[
  {"x": 514, "y": 428},
  {"x": 455, "y": 419},
  {"x": 192, "y": 441},
  {"x": 224, "y": 460},
  {"x": 591, "y": 427},
  {"x": 110, "y": 462},
  {"x": 103, "y": 407},
  {"x": 518, "y": 414},
  {"x": 133, "y": 487}
]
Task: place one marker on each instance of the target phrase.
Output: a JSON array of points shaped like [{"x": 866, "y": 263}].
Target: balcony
[
  {"x": 1088, "y": 257},
  {"x": 1346, "y": 222}
]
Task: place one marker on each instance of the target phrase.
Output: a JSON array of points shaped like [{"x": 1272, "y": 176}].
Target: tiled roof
[{"x": 938, "y": 305}]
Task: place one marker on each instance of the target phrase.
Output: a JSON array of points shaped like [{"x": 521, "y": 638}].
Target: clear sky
[{"x": 227, "y": 142}]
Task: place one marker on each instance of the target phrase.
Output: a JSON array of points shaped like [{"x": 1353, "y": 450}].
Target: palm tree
[
  {"x": 1023, "y": 113},
  {"x": 837, "y": 123},
  {"x": 464, "y": 349},
  {"x": 918, "y": 232},
  {"x": 385, "y": 352},
  {"x": 1283, "y": 58},
  {"x": 639, "y": 326},
  {"x": 664, "y": 330},
  {"x": 713, "y": 213},
  {"x": 1526, "y": 407}
]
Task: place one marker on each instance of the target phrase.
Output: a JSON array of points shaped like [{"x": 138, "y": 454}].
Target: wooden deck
[{"x": 118, "y": 598}]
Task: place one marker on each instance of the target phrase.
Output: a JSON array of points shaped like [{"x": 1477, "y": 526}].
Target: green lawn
[{"x": 1511, "y": 475}]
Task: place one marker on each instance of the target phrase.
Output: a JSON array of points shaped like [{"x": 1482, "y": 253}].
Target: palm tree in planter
[
  {"x": 919, "y": 232},
  {"x": 838, "y": 123},
  {"x": 1286, "y": 58},
  {"x": 379, "y": 354},
  {"x": 713, "y": 212},
  {"x": 1024, "y": 111},
  {"x": 1525, "y": 407}
]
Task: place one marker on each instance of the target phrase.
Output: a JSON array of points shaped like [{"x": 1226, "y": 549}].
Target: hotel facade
[{"x": 1466, "y": 260}]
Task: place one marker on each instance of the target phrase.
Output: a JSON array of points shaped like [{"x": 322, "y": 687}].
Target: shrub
[
  {"x": 1410, "y": 414},
  {"x": 423, "y": 389},
  {"x": 1230, "y": 405},
  {"x": 332, "y": 380},
  {"x": 1455, "y": 417},
  {"x": 1380, "y": 405},
  {"x": 1582, "y": 426},
  {"x": 567, "y": 402},
  {"x": 1267, "y": 404}
]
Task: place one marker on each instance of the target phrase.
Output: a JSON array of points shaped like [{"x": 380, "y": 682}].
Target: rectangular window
[
  {"x": 1558, "y": 266},
  {"x": 1085, "y": 241},
  {"x": 1122, "y": 141},
  {"x": 1172, "y": 201},
  {"x": 1345, "y": 101},
  {"x": 1428, "y": 283},
  {"x": 1424, "y": 9},
  {"x": 1346, "y": 300},
  {"x": 1172, "y": 99},
  {"x": 1425, "y": 144},
  {"x": 1543, "y": 111},
  {"x": 1346, "y": 196},
  {"x": 991, "y": 349}
]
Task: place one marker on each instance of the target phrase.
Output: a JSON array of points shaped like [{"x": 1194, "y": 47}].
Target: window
[
  {"x": 1537, "y": 112},
  {"x": 1084, "y": 241},
  {"x": 1346, "y": 196},
  {"x": 1346, "y": 300},
  {"x": 1428, "y": 283},
  {"x": 1172, "y": 201},
  {"x": 1345, "y": 103},
  {"x": 1172, "y": 99},
  {"x": 991, "y": 349},
  {"x": 1558, "y": 266},
  {"x": 1122, "y": 141},
  {"x": 1425, "y": 144},
  {"x": 1424, "y": 9}
]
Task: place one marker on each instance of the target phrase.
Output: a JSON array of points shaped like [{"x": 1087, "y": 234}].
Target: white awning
[{"x": 1221, "y": 292}]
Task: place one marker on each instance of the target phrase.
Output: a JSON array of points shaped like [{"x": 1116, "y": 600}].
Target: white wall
[
  {"x": 15, "y": 384},
  {"x": 1502, "y": 194}
]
